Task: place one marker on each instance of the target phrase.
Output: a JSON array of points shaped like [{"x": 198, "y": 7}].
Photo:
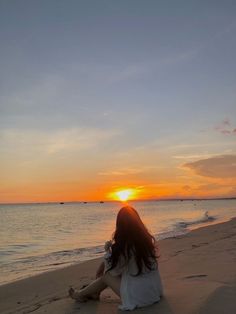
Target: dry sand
[{"x": 198, "y": 272}]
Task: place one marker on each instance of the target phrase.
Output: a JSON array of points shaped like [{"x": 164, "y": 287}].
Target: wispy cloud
[
  {"x": 200, "y": 145},
  {"x": 211, "y": 188},
  {"x": 113, "y": 73},
  {"x": 56, "y": 141},
  {"x": 223, "y": 166},
  {"x": 225, "y": 127},
  {"x": 195, "y": 156},
  {"x": 230, "y": 27},
  {"x": 128, "y": 171}
]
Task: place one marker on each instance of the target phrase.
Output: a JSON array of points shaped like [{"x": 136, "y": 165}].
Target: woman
[{"x": 130, "y": 265}]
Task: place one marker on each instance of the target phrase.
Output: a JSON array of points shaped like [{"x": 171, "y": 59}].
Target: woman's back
[
  {"x": 133, "y": 257},
  {"x": 136, "y": 290}
]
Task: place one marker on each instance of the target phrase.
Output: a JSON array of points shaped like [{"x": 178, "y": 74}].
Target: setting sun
[{"x": 124, "y": 195}]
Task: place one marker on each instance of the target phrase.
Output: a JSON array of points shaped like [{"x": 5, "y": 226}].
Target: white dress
[{"x": 136, "y": 291}]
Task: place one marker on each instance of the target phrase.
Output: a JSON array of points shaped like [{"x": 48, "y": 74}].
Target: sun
[{"x": 124, "y": 195}]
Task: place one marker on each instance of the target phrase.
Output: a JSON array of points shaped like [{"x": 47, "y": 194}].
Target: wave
[
  {"x": 66, "y": 257},
  {"x": 180, "y": 228},
  {"x": 23, "y": 267},
  {"x": 59, "y": 258},
  {"x": 206, "y": 218},
  {"x": 170, "y": 234}
]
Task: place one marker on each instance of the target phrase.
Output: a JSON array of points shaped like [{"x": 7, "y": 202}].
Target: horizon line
[{"x": 131, "y": 200}]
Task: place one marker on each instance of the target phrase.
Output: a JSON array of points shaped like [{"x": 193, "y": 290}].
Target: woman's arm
[
  {"x": 105, "y": 263},
  {"x": 157, "y": 250},
  {"x": 100, "y": 270}
]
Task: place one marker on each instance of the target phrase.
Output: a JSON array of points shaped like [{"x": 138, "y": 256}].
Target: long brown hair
[{"x": 132, "y": 237}]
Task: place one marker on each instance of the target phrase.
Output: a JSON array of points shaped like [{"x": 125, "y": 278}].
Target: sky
[{"x": 100, "y": 96}]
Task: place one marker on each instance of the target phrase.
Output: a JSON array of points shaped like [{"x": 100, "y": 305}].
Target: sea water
[{"x": 35, "y": 238}]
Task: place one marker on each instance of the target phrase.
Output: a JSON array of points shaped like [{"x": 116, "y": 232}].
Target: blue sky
[{"x": 110, "y": 86}]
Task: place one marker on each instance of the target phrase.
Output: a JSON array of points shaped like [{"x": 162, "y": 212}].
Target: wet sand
[{"x": 198, "y": 271}]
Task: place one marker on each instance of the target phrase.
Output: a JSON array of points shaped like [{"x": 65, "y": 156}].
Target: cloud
[
  {"x": 195, "y": 156},
  {"x": 132, "y": 71},
  {"x": 55, "y": 141},
  {"x": 224, "y": 127},
  {"x": 128, "y": 171},
  {"x": 210, "y": 187},
  {"x": 200, "y": 145},
  {"x": 223, "y": 166},
  {"x": 186, "y": 187},
  {"x": 123, "y": 172}
]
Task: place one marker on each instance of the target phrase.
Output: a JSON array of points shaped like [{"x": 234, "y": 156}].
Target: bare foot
[
  {"x": 95, "y": 296},
  {"x": 75, "y": 295}
]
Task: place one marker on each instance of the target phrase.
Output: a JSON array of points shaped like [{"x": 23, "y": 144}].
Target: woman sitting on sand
[{"x": 130, "y": 265}]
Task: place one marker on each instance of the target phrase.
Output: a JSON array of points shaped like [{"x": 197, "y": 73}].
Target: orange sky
[
  {"x": 98, "y": 99},
  {"x": 53, "y": 178}
]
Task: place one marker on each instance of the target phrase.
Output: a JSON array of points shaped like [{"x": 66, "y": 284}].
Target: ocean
[{"x": 35, "y": 238}]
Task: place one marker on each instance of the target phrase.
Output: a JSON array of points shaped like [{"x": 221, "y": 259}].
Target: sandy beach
[{"x": 198, "y": 272}]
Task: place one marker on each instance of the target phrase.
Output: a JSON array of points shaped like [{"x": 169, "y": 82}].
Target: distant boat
[
  {"x": 61, "y": 203},
  {"x": 101, "y": 202},
  {"x": 85, "y": 202}
]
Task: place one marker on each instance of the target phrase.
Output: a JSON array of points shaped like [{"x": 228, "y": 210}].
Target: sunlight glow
[{"x": 124, "y": 195}]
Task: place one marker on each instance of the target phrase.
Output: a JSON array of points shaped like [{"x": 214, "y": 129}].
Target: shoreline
[
  {"x": 194, "y": 267},
  {"x": 208, "y": 224},
  {"x": 187, "y": 230}
]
